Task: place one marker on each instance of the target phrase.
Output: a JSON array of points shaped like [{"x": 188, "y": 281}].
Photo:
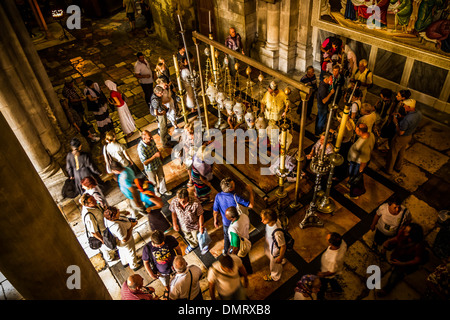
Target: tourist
[
  {"x": 310, "y": 80},
  {"x": 151, "y": 158},
  {"x": 201, "y": 175},
  {"x": 186, "y": 283},
  {"x": 98, "y": 104},
  {"x": 187, "y": 216},
  {"x": 143, "y": 72},
  {"x": 121, "y": 228},
  {"x": 358, "y": 157},
  {"x": 147, "y": 13},
  {"x": 125, "y": 180},
  {"x": 405, "y": 129},
  {"x": 389, "y": 218},
  {"x": 324, "y": 94},
  {"x": 226, "y": 199},
  {"x": 74, "y": 99},
  {"x": 158, "y": 256},
  {"x": 92, "y": 216},
  {"x": 408, "y": 253},
  {"x": 233, "y": 42},
  {"x": 159, "y": 109},
  {"x": 79, "y": 165},
  {"x": 168, "y": 102},
  {"x": 114, "y": 150},
  {"x": 90, "y": 186},
  {"x": 133, "y": 289},
  {"x": 125, "y": 117},
  {"x": 318, "y": 147},
  {"x": 307, "y": 288},
  {"x": 224, "y": 276},
  {"x": 364, "y": 77},
  {"x": 238, "y": 229},
  {"x": 130, "y": 10},
  {"x": 332, "y": 264},
  {"x": 368, "y": 116},
  {"x": 275, "y": 244}
]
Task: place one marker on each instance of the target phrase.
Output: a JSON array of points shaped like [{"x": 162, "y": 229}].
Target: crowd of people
[{"x": 392, "y": 119}]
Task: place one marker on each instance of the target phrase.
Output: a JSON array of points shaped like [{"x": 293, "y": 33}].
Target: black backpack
[
  {"x": 289, "y": 240},
  {"x": 108, "y": 238}
]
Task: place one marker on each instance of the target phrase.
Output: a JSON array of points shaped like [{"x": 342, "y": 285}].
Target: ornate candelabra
[
  {"x": 202, "y": 85},
  {"x": 181, "y": 92},
  {"x": 192, "y": 73},
  {"x": 282, "y": 173}
]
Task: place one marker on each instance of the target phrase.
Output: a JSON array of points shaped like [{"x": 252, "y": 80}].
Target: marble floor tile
[
  {"x": 310, "y": 242},
  {"x": 376, "y": 193},
  {"x": 425, "y": 157}
]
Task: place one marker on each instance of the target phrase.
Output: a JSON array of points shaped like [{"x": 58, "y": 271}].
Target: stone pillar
[
  {"x": 25, "y": 86},
  {"x": 270, "y": 52},
  {"x": 37, "y": 244},
  {"x": 304, "y": 35},
  {"x": 39, "y": 71},
  {"x": 289, "y": 17}
]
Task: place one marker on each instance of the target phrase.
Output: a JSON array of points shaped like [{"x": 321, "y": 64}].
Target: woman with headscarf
[
  {"x": 79, "y": 165},
  {"x": 125, "y": 117},
  {"x": 201, "y": 175},
  {"x": 97, "y": 103},
  {"x": 307, "y": 288}
]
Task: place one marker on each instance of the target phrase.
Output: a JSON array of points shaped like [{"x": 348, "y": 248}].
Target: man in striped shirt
[{"x": 153, "y": 166}]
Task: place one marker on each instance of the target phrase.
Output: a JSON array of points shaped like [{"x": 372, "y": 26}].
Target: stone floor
[{"x": 105, "y": 50}]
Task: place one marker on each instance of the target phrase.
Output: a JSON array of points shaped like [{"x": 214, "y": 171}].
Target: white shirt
[
  {"x": 179, "y": 287},
  {"x": 279, "y": 238},
  {"x": 116, "y": 151},
  {"x": 388, "y": 223},
  {"x": 333, "y": 260},
  {"x": 369, "y": 120},
  {"x": 119, "y": 227},
  {"x": 229, "y": 283},
  {"x": 240, "y": 227},
  {"x": 142, "y": 69}
]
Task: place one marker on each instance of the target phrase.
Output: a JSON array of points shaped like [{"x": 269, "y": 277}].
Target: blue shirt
[
  {"x": 410, "y": 122},
  {"x": 125, "y": 181},
  {"x": 224, "y": 200}
]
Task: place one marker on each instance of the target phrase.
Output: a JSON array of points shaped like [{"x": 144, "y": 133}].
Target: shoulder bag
[
  {"x": 94, "y": 243},
  {"x": 240, "y": 208}
]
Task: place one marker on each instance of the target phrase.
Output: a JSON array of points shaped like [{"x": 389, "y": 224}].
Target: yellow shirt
[{"x": 274, "y": 105}]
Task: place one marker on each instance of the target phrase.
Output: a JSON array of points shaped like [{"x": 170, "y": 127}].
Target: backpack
[
  {"x": 289, "y": 240},
  {"x": 69, "y": 189},
  {"x": 369, "y": 86},
  {"x": 108, "y": 238}
]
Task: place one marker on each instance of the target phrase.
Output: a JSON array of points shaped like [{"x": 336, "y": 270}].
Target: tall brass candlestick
[
  {"x": 296, "y": 204},
  {"x": 281, "y": 192},
  {"x": 202, "y": 84},
  {"x": 181, "y": 91}
]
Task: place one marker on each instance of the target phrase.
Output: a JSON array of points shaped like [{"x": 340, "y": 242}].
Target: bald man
[
  {"x": 185, "y": 284},
  {"x": 133, "y": 289}
]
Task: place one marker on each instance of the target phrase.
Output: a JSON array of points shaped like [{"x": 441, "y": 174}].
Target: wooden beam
[{"x": 258, "y": 65}]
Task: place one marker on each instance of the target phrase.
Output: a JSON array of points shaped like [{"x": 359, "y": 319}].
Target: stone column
[
  {"x": 40, "y": 254},
  {"x": 304, "y": 35},
  {"x": 288, "y": 17},
  {"x": 29, "y": 50},
  {"x": 270, "y": 52},
  {"x": 26, "y": 87}
]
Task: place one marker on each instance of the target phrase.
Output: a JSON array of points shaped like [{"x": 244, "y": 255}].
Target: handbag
[
  {"x": 240, "y": 208},
  {"x": 94, "y": 243},
  {"x": 203, "y": 241},
  {"x": 244, "y": 247},
  {"x": 108, "y": 238}
]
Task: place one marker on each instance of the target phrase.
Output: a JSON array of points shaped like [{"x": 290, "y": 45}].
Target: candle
[{"x": 209, "y": 15}]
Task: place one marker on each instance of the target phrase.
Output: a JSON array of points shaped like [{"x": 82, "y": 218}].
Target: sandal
[{"x": 267, "y": 277}]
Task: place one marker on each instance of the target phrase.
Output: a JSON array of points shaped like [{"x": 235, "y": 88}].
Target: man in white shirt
[
  {"x": 275, "y": 245},
  {"x": 185, "y": 284},
  {"x": 390, "y": 216},
  {"x": 225, "y": 276},
  {"x": 143, "y": 70},
  {"x": 239, "y": 226},
  {"x": 332, "y": 264}
]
